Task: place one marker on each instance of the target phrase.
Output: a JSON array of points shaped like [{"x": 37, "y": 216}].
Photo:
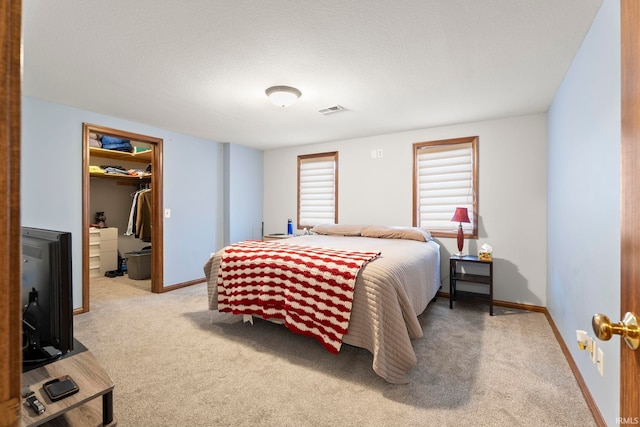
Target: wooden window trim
[
  {"x": 333, "y": 155},
  {"x": 474, "y": 140}
]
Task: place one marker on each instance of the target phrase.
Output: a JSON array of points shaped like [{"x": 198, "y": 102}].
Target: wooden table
[
  {"x": 456, "y": 276},
  {"x": 268, "y": 237},
  {"x": 77, "y": 409}
]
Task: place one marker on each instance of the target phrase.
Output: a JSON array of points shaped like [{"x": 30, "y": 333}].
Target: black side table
[{"x": 455, "y": 276}]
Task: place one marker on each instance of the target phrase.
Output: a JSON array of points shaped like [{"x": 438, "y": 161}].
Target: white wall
[
  {"x": 512, "y": 193},
  {"x": 51, "y": 186},
  {"x": 584, "y": 201}
]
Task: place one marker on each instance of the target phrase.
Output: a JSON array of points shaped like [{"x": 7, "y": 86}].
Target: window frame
[
  {"x": 474, "y": 140},
  {"x": 310, "y": 158}
]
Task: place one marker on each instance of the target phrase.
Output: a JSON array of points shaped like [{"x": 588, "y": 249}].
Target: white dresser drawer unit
[{"x": 103, "y": 250}]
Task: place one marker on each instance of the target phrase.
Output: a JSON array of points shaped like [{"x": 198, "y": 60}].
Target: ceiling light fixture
[{"x": 283, "y": 96}]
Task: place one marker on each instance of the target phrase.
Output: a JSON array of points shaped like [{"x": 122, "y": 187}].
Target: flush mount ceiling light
[{"x": 283, "y": 96}]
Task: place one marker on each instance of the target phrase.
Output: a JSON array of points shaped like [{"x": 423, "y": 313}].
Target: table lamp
[{"x": 461, "y": 215}]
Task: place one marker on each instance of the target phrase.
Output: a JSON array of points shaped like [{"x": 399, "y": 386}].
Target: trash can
[{"x": 139, "y": 264}]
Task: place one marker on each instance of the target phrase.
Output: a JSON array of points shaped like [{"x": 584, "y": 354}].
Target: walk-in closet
[{"x": 121, "y": 212}]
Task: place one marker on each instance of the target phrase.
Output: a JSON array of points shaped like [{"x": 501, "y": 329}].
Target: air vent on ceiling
[{"x": 331, "y": 110}]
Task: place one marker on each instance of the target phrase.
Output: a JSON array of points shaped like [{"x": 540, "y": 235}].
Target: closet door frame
[{"x": 157, "y": 259}]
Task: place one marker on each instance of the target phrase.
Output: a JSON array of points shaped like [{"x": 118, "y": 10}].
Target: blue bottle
[{"x": 289, "y": 227}]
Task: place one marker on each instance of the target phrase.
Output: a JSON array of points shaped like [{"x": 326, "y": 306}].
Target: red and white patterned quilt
[{"x": 309, "y": 288}]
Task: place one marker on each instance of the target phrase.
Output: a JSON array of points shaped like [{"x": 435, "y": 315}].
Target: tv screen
[{"x": 47, "y": 313}]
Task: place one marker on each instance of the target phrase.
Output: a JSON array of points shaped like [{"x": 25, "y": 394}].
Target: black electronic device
[
  {"x": 60, "y": 388},
  {"x": 35, "y": 404},
  {"x": 47, "y": 315}
]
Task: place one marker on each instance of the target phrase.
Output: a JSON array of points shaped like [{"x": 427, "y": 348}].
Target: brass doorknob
[{"x": 628, "y": 328}]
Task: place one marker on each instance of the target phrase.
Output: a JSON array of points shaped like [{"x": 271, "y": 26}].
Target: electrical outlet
[
  {"x": 379, "y": 152},
  {"x": 601, "y": 362},
  {"x": 591, "y": 346}
]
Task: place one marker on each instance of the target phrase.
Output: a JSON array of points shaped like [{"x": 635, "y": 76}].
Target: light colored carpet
[{"x": 172, "y": 367}]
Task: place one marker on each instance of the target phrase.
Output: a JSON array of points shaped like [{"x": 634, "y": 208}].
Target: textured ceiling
[{"x": 201, "y": 67}]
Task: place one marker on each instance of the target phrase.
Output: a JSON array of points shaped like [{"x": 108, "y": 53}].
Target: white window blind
[
  {"x": 444, "y": 181},
  {"x": 317, "y": 189}
]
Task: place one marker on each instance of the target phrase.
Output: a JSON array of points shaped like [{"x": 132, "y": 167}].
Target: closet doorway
[{"x": 146, "y": 156}]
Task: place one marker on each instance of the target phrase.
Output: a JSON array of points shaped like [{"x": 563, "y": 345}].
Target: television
[{"x": 47, "y": 305}]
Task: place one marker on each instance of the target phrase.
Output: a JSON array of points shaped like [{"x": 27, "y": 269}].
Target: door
[
  {"x": 630, "y": 202},
  {"x": 156, "y": 215},
  {"x": 10, "y": 252}
]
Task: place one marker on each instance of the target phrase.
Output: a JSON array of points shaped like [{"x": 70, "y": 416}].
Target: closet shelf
[
  {"x": 120, "y": 177},
  {"x": 141, "y": 157}
]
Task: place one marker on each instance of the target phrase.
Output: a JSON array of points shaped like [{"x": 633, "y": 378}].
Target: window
[
  {"x": 317, "y": 189},
  {"x": 445, "y": 177}
]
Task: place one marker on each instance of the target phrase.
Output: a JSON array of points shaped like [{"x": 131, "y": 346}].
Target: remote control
[{"x": 35, "y": 404}]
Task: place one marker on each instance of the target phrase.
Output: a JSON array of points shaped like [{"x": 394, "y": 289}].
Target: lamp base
[
  {"x": 460, "y": 240},
  {"x": 459, "y": 254}
]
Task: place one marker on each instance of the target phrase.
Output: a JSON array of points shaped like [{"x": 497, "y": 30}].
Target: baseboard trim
[
  {"x": 183, "y": 285},
  {"x": 597, "y": 416},
  {"x": 591, "y": 404},
  {"x": 507, "y": 304}
]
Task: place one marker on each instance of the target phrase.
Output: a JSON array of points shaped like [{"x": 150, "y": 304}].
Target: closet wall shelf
[
  {"x": 121, "y": 177},
  {"x": 142, "y": 157}
]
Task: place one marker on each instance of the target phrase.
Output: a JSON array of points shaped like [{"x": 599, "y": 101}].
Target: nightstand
[
  {"x": 267, "y": 237},
  {"x": 455, "y": 263}
]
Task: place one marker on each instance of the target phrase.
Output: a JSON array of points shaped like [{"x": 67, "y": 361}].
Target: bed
[{"x": 390, "y": 291}]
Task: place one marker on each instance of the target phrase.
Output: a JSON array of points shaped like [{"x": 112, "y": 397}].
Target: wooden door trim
[
  {"x": 10, "y": 252},
  {"x": 630, "y": 201},
  {"x": 157, "y": 258}
]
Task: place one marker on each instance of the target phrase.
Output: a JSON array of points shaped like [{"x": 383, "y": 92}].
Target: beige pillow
[
  {"x": 338, "y": 229},
  {"x": 395, "y": 232}
]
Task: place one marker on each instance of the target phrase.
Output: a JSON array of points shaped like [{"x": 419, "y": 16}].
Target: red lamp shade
[{"x": 461, "y": 215}]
